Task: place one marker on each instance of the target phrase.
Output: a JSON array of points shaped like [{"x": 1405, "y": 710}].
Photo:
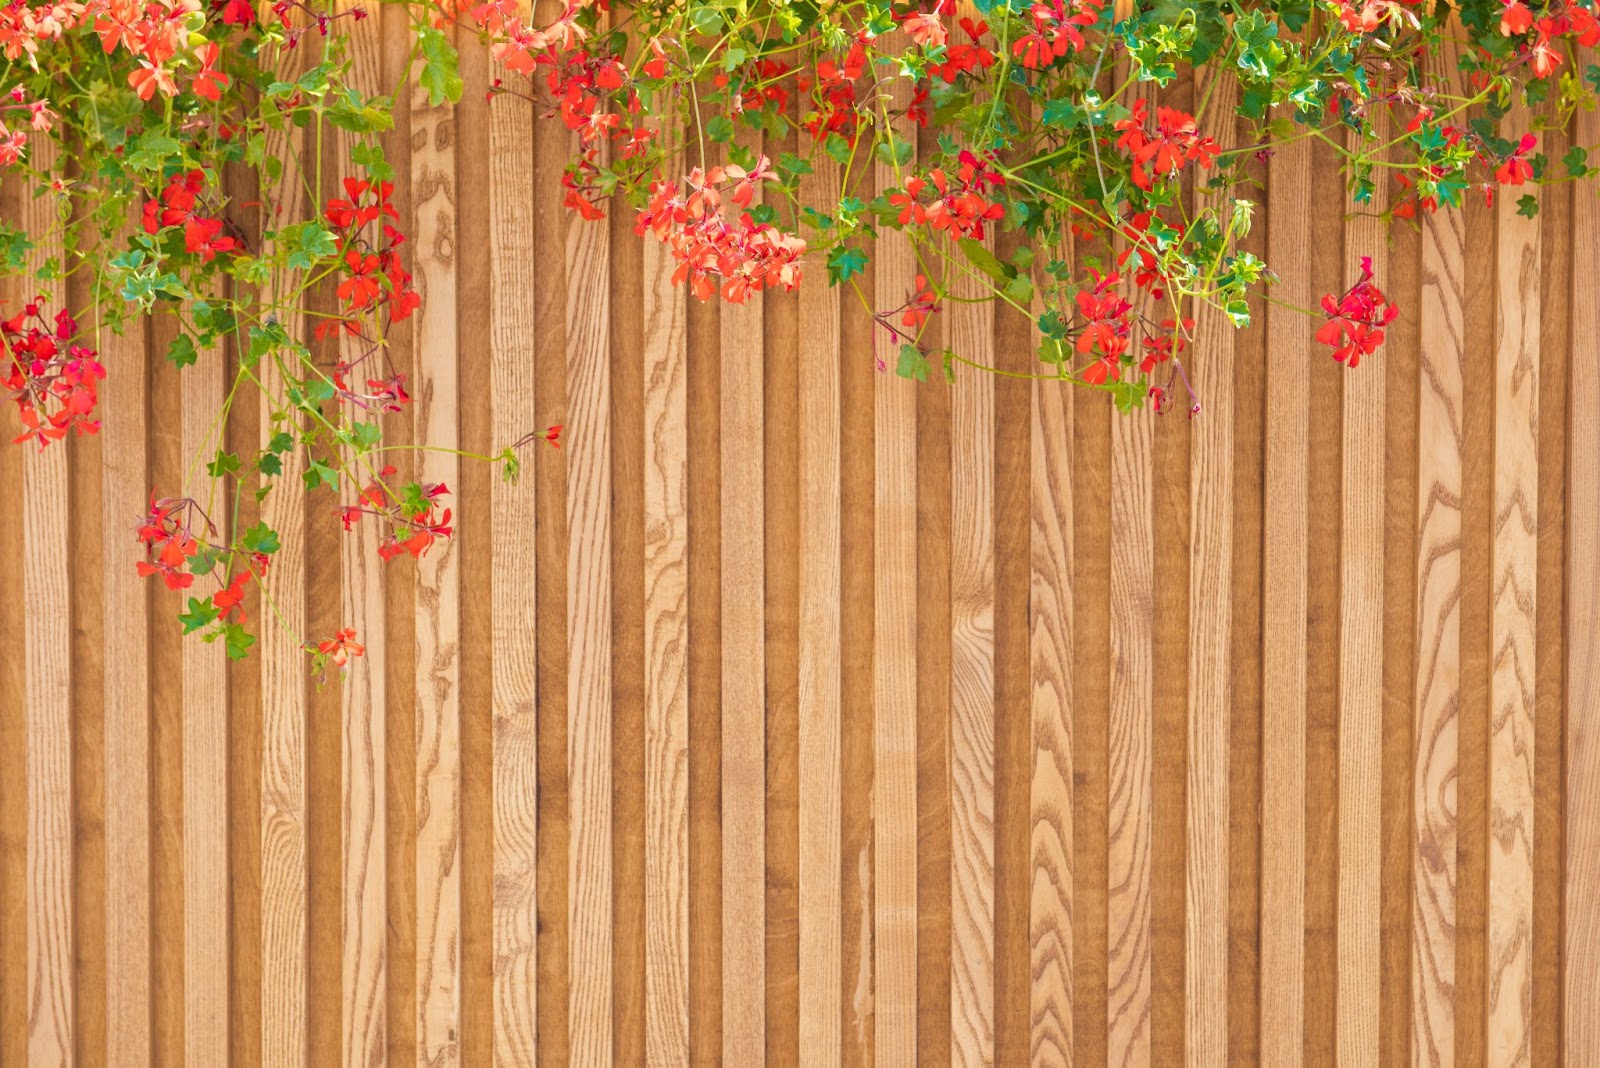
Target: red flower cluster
[
  {"x": 960, "y": 208},
  {"x": 1356, "y": 320},
  {"x": 1107, "y": 326},
  {"x": 168, "y": 542},
  {"x": 178, "y": 205},
  {"x": 1174, "y": 144},
  {"x": 415, "y": 519},
  {"x": 1542, "y": 50},
  {"x": 374, "y": 275},
  {"x": 836, "y": 96},
  {"x": 1055, "y": 31},
  {"x": 747, "y": 256},
  {"x": 966, "y": 57},
  {"x": 49, "y": 376}
]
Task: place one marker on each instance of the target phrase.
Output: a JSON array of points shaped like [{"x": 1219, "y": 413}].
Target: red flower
[
  {"x": 231, "y": 596},
  {"x": 341, "y": 647},
  {"x": 1355, "y": 321},
  {"x": 1514, "y": 170}
]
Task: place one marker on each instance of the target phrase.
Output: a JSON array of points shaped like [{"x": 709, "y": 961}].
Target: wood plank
[
  {"x": 1582, "y": 913},
  {"x": 125, "y": 482},
  {"x": 1283, "y": 629},
  {"x": 514, "y": 625},
  {"x": 1361, "y": 559},
  {"x": 1509, "y": 994},
  {"x": 437, "y": 594},
  {"x": 207, "y": 975},
  {"x": 284, "y": 863},
  {"x": 47, "y": 682},
  {"x": 743, "y": 680},
  {"x": 1050, "y": 784},
  {"x": 1129, "y": 734},
  {"x": 1210, "y": 668},
  {"x": 364, "y": 710},
  {"x": 820, "y": 843},
  {"x": 666, "y": 645},
  {"x": 894, "y": 668},
  {"x": 1438, "y": 673},
  {"x": 970, "y": 331}
]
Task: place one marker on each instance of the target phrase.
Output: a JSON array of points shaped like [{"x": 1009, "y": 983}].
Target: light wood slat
[
  {"x": 1509, "y": 993},
  {"x": 513, "y": 508},
  {"x": 1210, "y": 645},
  {"x": 666, "y": 645},
  {"x": 1050, "y": 788},
  {"x": 1129, "y": 739},
  {"x": 1582, "y": 976},
  {"x": 437, "y": 603},
  {"x": 589, "y": 640},
  {"x": 970, "y": 329},
  {"x": 1361, "y": 555},
  {"x": 894, "y": 659},
  {"x": 743, "y": 680},
  {"x": 363, "y": 810},
  {"x": 205, "y": 748},
  {"x": 1283, "y": 628},
  {"x": 47, "y": 674},
  {"x": 284, "y": 870},
  {"x": 1438, "y": 671},
  {"x": 124, "y": 490},
  {"x": 821, "y": 892},
  {"x": 1581, "y": 962}
]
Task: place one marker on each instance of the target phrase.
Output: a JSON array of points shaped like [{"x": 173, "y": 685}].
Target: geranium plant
[{"x": 1057, "y": 173}]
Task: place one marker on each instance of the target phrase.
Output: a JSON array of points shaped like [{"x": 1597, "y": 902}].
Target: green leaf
[
  {"x": 1528, "y": 206},
  {"x": 985, "y": 261},
  {"x": 913, "y": 364},
  {"x": 366, "y": 434},
  {"x": 226, "y": 463},
  {"x": 199, "y": 614},
  {"x": 844, "y": 264},
  {"x": 719, "y": 128},
  {"x": 181, "y": 351},
  {"x": 441, "y": 70},
  {"x": 318, "y": 473},
  {"x": 238, "y": 640},
  {"x": 260, "y": 539},
  {"x": 837, "y": 148}
]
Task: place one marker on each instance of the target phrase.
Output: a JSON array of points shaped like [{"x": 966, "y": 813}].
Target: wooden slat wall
[{"x": 796, "y": 713}]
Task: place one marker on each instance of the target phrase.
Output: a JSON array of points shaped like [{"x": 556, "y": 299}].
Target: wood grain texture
[
  {"x": 437, "y": 606},
  {"x": 1509, "y": 994},
  {"x": 821, "y": 919},
  {"x": 666, "y": 638},
  {"x": 1283, "y": 628},
  {"x": 205, "y": 754},
  {"x": 1210, "y": 668},
  {"x": 284, "y": 868},
  {"x": 47, "y": 682},
  {"x": 1582, "y": 912},
  {"x": 515, "y": 579},
  {"x": 1051, "y": 781},
  {"x": 894, "y": 672},
  {"x": 1129, "y": 741},
  {"x": 1361, "y": 646},
  {"x": 743, "y": 681},
  {"x": 363, "y": 823},
  {"x": 970, "y": 328},
  {"x": 1438, "y": 671},
  {"x": 125, "y": 476}
]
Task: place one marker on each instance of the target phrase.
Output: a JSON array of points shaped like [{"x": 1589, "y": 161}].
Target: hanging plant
[{"x": 1074, "y": 161}]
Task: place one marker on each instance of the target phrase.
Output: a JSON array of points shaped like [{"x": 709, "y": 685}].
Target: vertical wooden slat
[
  {"x": 1361, "y": 555},
  {"x": 47, "y": 681},
  {"x": 894, "y": 666},
  {"x": 1582, "y": 977},
  {"x": 284, "y": 869},
  {"x": 1210, "y": 695},
  {"x": 514, "y": 625},
  {"x": 666, "y": 643},
  {"x": 1284, "y": 617},
  {"x": 205, "y": 751},
  {"x": 1438, "y": 671},
  {"x": 970, "y": 329},
  {"x": 743, "y": 681},
  {"x": 124, "y": 495},
  {"x": 437, "y": 594},
  {"x": 589, "y": 885},
  {"x": 1509, "y": 992},
  {"x": 364, "y": 709},
  {"x": 1050, "y": 788},
  {"x": 819, "y": 459}
]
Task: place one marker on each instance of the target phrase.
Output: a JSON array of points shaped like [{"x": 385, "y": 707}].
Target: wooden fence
[{"x": 795, "y": 711}]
